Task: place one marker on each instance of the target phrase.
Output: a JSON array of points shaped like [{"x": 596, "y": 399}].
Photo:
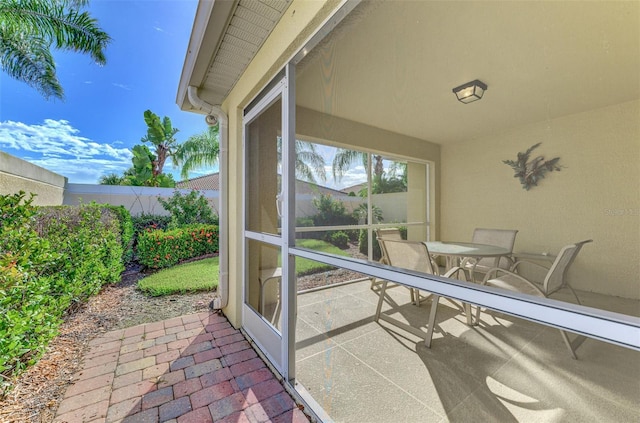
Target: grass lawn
[
  {"x": 201, "y": 275},
  {"x": 306, "y": 266}
]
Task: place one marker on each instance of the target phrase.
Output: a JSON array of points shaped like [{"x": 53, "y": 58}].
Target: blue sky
[{"x": 91, "y": 132}]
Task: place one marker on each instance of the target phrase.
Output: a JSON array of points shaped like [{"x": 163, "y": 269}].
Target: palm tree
[
  {"x": 198, "y": 151},
  {"x": 309, "y": 164},
  {"x": 161, "y": 134},
  {"x": 29, "y": 28},
  {"x": 111, "y": 179},
  {"x": 344, "y": 157}
]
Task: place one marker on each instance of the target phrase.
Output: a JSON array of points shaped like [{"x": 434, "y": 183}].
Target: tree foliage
[
  {"x": 30, "y": 28},
  {"x": 111, "y": 179},
  {"x": 198, "y": 151},
  {"x": 141, "y": 174},
  {"x": 309, "y": 164},
  {"x": 188, "y": 209},
  {"x": 160, "y": 134}
]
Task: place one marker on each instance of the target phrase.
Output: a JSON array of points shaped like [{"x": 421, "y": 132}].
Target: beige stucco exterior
[
  {"x": 286, "y": 39},
  {"x": 18, "y": 175},
  {"x": 595, "y": 196}
]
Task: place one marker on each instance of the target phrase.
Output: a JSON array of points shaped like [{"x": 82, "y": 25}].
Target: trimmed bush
[
  {"x": 89, "y": 240},
  {"x": 50, "y": 259},
  {"x": 28, "y": 314},
  {"x": 126, "y": 230},
  {"x": 149, "y": 221},
  {"x": 160, "y": 249},
  {"x": 340, "y": 239}
]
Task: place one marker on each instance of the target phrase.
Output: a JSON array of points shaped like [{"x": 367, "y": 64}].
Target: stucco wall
[
  {"x": 595, "y": 196},
  {"x": 18, "y": 175}
]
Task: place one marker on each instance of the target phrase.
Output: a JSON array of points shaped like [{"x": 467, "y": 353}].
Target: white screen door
[{"x": 265, "y": 230}]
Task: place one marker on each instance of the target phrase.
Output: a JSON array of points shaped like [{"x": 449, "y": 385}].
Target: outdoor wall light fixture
[{"x": 471, "y": 91}]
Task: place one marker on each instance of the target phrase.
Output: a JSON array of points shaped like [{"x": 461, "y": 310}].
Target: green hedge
[
  {"x": 126, "y": 230},
  {"x": 159, "y": 249},
  {"x": 50, "y": 260},
  {"x": 89, "y": 239}
]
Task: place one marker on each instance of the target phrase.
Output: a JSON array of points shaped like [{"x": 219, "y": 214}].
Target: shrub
[
  {"x": 28, "y": 314},
  {"x": 154, "y": 221},
  {"x": 159, "y": 249},
  {"x": 331, "y": 212},
  {"x": 189, "y": 209},
  {"x": 89, "y": 239},
  {"x": 126, "y": 230},
  {"x": 145, "y": 222},
  {"x": 50, "y": 258},
  {"x": 340, "y": 239},
  {"x": 363, "y": 245},
  {"x": 304, "y": 221}
]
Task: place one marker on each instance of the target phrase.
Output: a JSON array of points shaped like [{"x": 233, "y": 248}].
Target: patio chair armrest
[
  {"x": 497, "y": 270},
  {"x": 454, "y": 270},
  {"x": 514, "y": 266}
]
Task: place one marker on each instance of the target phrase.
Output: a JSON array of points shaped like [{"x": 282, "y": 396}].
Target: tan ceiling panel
[{"x": 248, "y": 36}]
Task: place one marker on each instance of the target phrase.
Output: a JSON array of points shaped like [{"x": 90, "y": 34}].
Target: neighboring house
[
  {"x": 354, "y": 188},
  {"x": 212, "y": 182},
  {"x": 378, "y": 77}
]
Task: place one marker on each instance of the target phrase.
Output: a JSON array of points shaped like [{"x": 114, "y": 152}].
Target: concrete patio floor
[
  {"x": 194, "y": 368},
  {"x": 506, "y": 369}
]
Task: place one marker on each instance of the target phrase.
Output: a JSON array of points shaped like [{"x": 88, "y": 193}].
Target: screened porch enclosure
[{"x": 544, "y": 86}]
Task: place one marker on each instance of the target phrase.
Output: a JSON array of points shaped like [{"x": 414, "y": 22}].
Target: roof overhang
[{"x": 225, "y": 37}]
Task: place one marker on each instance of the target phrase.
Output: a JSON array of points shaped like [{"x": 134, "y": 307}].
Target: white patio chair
[
  {"x": 504, "y": 238},
  {"x": 555, "y": 279},
  {"x": 415, "y": 256},
  {"x": 385, "y": 233}
]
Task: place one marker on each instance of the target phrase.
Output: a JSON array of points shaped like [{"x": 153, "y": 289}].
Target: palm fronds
[{"x": 30, "y": 28}]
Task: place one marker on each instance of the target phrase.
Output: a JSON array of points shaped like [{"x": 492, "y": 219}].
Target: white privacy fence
[
  {"x": 145, "y": 200},
  {"x": 393, "y": 206},
  {"x": 137, "y": 200}
]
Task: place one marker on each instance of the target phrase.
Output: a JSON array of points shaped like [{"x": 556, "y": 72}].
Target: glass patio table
[{"x": 454, "y": 251}]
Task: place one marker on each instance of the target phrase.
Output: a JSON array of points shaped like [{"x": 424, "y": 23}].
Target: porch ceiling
[{"x": 393, "y": 65}]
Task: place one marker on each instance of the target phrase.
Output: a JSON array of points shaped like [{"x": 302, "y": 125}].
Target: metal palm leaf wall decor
[{"x": 529, "y": 172}]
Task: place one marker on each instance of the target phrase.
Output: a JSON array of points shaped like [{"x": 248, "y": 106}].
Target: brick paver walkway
[{"x": 194, "y": 368}]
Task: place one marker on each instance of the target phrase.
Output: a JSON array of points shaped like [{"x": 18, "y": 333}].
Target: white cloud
[
  {"x": 356, "y": 174},
  {"x": 157, "y": 28},
  {"x": 88, "y": 82},
  {"x": 57, "y": 146},
  {"x": 123, "y": 86}
]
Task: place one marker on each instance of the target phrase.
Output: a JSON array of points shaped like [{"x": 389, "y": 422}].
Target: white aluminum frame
[
  {"x": 266, "y": 337},
  {"x": 603, "y": 325}
]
